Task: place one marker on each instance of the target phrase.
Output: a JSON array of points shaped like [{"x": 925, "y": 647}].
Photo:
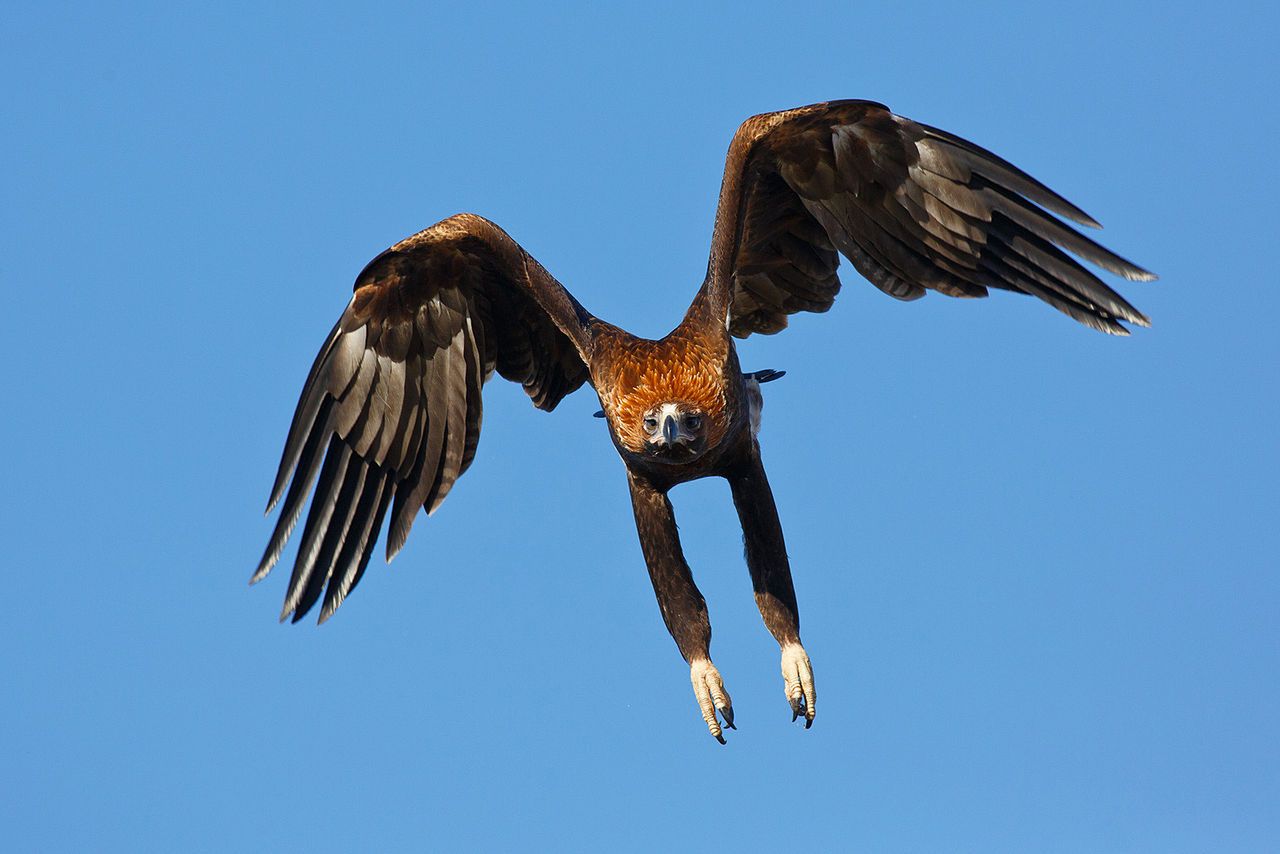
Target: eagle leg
[
  {"x": 683, "y": 609},
  {"x": 766, "y": 554}
]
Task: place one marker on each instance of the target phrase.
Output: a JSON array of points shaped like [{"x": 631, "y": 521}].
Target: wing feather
[
  {"x": 304, "y": 418},
  {"x": 308, "y": 458},
  {"x": 304, "y": 591},
  {"x": 970, "y": 158},
  {"x": 455, "y": 431},
  {"x": 323, "y": 505},
  {"x": 357, "y": 549}
]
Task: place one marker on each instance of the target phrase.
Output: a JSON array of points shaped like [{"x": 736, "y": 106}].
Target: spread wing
[
  {"x": 390, "y": 413},
  {"x": 912, "y": 207}
]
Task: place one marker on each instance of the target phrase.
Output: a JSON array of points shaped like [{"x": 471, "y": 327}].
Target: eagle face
[{"x": 675, "y": 431}]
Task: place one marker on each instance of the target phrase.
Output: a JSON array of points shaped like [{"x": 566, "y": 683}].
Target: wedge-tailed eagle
[{"x": 390, "y": 414}]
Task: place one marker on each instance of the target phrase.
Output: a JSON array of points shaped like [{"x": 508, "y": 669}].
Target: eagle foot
[
  {"x": 797, "y": 676},
  {"x": 708, "y": 687}
]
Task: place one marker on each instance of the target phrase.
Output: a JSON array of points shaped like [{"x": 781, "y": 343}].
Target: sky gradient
[{"x": 1036, "y": 565}]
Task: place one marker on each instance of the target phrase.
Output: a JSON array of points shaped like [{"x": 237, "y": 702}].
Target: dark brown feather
[{"x": 912, "y": 207}]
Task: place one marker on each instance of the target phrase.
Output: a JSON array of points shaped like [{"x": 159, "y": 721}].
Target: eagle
[{"x": 389, "y": 417}]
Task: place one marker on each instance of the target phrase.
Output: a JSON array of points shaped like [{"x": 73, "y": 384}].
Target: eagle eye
[
  {"x": 693, "y": 422},
  {"x": 650, "y": 423}
]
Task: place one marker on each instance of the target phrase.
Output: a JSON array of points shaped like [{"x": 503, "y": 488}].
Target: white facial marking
[{"x": 660, "y": 414}]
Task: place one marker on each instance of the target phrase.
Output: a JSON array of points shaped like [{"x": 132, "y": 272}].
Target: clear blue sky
[{"x": 1037, "y": 566}]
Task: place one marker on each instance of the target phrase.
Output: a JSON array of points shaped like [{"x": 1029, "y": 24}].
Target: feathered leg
[
  {"x": 766, "y": 553},
  {"x": 683, "y": 608}
]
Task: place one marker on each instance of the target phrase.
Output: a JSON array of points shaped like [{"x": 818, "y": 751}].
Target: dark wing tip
[
  {"x": 394, "y": 545},
  {"x": 1076, "y": 215},
  {"x": 1084, "y": 219},
  {"x": 268, "y": 562},
  {"x": 994, "y": 166},
  {"x": 1126, "y": 269}
]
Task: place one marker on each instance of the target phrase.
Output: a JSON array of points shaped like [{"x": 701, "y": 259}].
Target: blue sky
[{"x": 1036, "y": 565}]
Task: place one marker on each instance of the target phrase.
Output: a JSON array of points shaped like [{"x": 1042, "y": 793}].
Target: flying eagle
[{"x": 389, "y": 417}]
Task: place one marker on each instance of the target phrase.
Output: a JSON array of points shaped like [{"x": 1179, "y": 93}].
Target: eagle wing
[
  {"x": 390, "y": 413},
  {"x": 912, "y": 208}
]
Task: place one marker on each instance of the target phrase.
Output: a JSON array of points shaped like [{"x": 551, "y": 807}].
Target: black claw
[
  {"x": 795, "y": 710},
  {"x": 727, "y": 713},
  {"x": 599, "y": 414},
  {"x": 720, "y": 738},
  {"x": 808, "y": 722}
]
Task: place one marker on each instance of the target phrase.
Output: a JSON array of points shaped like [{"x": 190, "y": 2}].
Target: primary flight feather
[{"x": 390, "y": 415}]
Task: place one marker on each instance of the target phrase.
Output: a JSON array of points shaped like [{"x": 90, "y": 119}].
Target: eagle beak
[{"x": 670, "y": 430}]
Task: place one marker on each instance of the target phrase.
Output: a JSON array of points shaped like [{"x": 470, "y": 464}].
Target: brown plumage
[{"x": 390, "y": 414}]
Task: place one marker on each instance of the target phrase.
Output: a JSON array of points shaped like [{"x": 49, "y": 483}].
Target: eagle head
[
  {"x": 665, "y": 426},
  {"x": 667, "y": 400}
]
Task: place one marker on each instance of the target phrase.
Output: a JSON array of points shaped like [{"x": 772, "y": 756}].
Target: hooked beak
[{"x": 670, "y": 430}]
